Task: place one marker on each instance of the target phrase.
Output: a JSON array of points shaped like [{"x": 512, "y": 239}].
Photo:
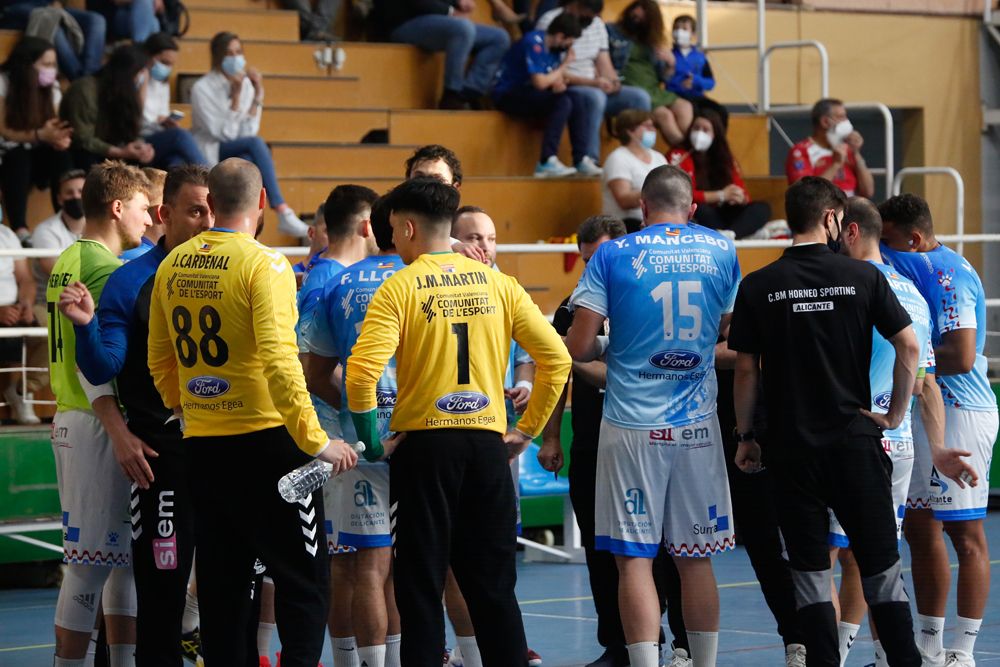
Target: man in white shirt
[
  {"x": 594, "y": 83},
  {"x": 17, "y": 295}
]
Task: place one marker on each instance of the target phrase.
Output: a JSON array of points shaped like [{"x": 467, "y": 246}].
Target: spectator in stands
[
  {"x": 226, "y": 106},
  {"x": 74, "y": 62},
  {"x": 437, "y": 162},
  {"x": 722, "y": 197},
  {"x": 692, "y": 76},
  {"x": 593, "y": 82},
  {"x": 832, "y": 152},
  {"x": 159, "y": 128},
  {"x": 129, "y": 19},
  {"x": 626, "y": 167},
  {"x": 17, "y": 298},
  {"x": 640, "y": 56},
  {"x": 531, "y": 83},
  {"x": 445, "y": 25},
  {"x": 34, "y": 140},
  {"x": 315, "y": 18}
]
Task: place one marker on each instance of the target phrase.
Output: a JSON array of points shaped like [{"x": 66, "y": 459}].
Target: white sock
[
  {"x": 470, "y": 651},
  {"x": 704, "y": 648},
  {"x": 66, "y": 662},
  {"x": 191, "y": 619},
  {"x": 121, "y": 655},
  {"x": 880, "y": 659},
  {"x": 264, "y": 633},
  {"x": 345, "y": 652},
  {"x": 372, "y": 656},
  {"x": 930, "y": 631},
  {"x": 847, "y": 633},
  {"x": 91, "y": 648},
  {"x": 644, "y": 654},
  {"x": 392, "y": 650},
  {"x": 966, "y": 631}
]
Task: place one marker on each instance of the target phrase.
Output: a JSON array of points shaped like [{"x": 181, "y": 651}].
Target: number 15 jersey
[
  {"x": 222, "y": 340},
  {"x": 663, "y": 290}
]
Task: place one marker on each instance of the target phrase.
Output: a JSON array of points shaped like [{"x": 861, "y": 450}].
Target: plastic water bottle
[{"x": 302, "y": 481}]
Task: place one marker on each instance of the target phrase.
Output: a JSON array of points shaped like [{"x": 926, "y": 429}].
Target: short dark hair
[
  {"x": 185, "y": 174},
  {"x": 381, "y": 227},
  {"x": 428, "y": 198},
  {"x": 596, "y": 226},
  {"x": 865, "y": 215},
  {"x": 468, "y": 208},
  {"x": 344, "y": 204},
  {"x": 70, "y": 175},
  {"x": 159, "y": 42},
  {"x": 218, "y": 46},
  {"x": 688, "y": 19},
  {"x": 667, "y": 188},
  {"x": 806, "y": 199},
  {"x": 823, "y": 108},
  {"x": 908, "y": 212},
  {"x": 433, "y": 152},
  {"x": 565, "y": 24},
  {"x": 596, "y": 6}
]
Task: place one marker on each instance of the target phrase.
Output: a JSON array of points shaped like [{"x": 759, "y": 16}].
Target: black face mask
[
  {"x": 73, "y": 208},
  {"x": 634, "y": 26},
  {"x": 558, "y": 50},
  {"x": 834, "y": 244}
]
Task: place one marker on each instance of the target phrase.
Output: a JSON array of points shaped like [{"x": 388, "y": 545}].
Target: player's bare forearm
[
  {"x": 553, "y": 427},
  {"x": 904, "y": 372},
  {"x": 745, "y": 382},
  {"x": 581, "y": 339},
  {"x": 594, "y": 373},
  {"x": 320, "y": 378},
  {"x": 931, "y": 405}
]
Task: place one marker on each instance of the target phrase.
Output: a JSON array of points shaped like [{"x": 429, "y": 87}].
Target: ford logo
[
  {"x": 206, "y": 386},
  {"x": 679, "y": 360},
  {"x": 463, "y": 402},
  {"x": 386, "y": 398},
  {"x": 883, "y": 400}
]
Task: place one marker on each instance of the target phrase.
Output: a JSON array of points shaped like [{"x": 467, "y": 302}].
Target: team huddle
[{"x": 201, "y": 373}]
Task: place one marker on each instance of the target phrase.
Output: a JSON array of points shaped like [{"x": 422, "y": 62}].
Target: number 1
[{"x": 462, "y": 331}]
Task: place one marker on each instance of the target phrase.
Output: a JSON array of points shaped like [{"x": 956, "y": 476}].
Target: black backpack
[{"x": 175, "y": 19}]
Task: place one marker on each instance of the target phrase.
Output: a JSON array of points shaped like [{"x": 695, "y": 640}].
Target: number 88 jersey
[
  {"x": 663, "y": 290},
  {"x": 222, "y": 340}
]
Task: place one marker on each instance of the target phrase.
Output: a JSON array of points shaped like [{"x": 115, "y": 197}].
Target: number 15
[{"x": 664, "y": 293}]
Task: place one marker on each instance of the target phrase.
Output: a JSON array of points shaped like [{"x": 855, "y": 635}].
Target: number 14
[{"x": 664, "y": 293}]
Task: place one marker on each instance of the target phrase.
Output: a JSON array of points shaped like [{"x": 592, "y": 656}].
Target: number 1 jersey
[
  {"x": 222, "y": 340},
  {"x": 663, "y": 290}
]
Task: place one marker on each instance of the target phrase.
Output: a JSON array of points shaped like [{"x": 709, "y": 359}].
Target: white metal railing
[
  {"x": 897, "y": 184},
  {"x": 764, "y": 69}
]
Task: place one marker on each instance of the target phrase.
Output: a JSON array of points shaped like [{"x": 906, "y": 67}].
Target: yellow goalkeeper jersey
[
  {"x": 222, "y": 340},
  {"x": 449, "y": 321}
]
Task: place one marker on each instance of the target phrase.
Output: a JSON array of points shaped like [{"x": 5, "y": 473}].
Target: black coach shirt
[
  {"x": 588, "y": 400},
  {"x": 809, "y": 315}
]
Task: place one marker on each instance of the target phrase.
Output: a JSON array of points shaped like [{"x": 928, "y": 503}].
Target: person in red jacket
[
  {"x": 832, "y": 152},
  {"x": 722, "y": 197}
]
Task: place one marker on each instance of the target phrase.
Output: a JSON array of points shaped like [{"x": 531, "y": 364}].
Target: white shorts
[
  {"x": 357, "y": 509},
  {"x": 972, "y": 430},
  {"x": 93, "y": 492},
  {"x": 901, "y": 454},
  {"x": 668, "y": 485}
]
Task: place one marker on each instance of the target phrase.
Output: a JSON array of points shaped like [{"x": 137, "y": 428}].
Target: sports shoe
[
  {"x": 957, "y": 658},
  {"x": 588, "y": 167},
  {"x": 277, "y": 661},
  {"x": 23, "y": 413},
  {"x": 289, "y": 223},
  {"x": 680, "y": 659},
  {"x": 265, "y": 661},
  {"x": 795, "y": 655},
  {"x": 553, "y": 168},
  {"x": 534, "y": 660},
  {"x": 927, "y": 660},
  {"x": 612, "y": 657},
  {"x": 191, "y": 645}
]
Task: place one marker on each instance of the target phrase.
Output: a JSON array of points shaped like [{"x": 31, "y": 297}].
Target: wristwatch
[{"x": 744, "y": 437}]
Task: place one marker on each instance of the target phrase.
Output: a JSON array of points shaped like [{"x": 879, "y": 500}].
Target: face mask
[
  {"x": 701, "y": 140},
  {"x": 839, "y": 132},
  {"x": 233, "y": 65},
  {"x": 648, "y": 139},
  {"x": 140, "y": 80},
  {"x": 558, "y": 50},
  {"x": 47, "y": 76},
  {"x": 831, "y": 243},
  {"x": 73, "y": 208},
  {"x": 682, "y": 37},
  {"x": 159, "y": 71}
]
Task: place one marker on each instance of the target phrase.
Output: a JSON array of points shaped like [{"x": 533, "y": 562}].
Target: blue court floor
[{"x": 558, "y": 617}]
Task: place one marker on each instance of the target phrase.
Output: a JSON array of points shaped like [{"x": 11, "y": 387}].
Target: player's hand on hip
[
  {"x": 340, "y": 455},
  {"x": 131, "y": 454},
  {"x": 949, "y": 463},
  {"x": 516, "y": 443},
  {"x": 519, "y": 397},
  {"x": 77, "y": 304},
  {"x": 748, "y": 458},
  {"x": 550, "y": 455},
  {"x": 389, "y": 445},
  {"x": 886, "y": 422}
]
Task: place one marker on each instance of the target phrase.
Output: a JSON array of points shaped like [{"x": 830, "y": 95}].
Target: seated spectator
[
  {"x": 315, "y": 18},
  {"x": 226, "y": 106},
  {"x": 435, "y": 161},
  {"x": 722, "y": 197},
  {"x": 158, "y": 128},
  {"x": 34, "y": 140},
  {"x": 73, "y": 62},
  {"x": 17, "y": 298},
  {"x": 150, "y": 237},
  {"x": 692, "y": 76},
  {"x": 443, "y": 25},
  {"x": 594, "y": 85},
  {"x": 832, "y": 152},
  {"x": 531, "y": 83},
  {"x": 625, "y": 169},
  {"x": 642, "y": 59},
  {"x": 128, "y": 19}
]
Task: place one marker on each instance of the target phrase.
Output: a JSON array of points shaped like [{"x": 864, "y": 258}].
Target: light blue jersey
[
  {"x": 317, "y": 278},
  {"x": 955, "y": 295},
  {"x": 517, "y": 357},
  {"x": 336, "y": 325},
  {"x": 884, "y": 355},
  {"x": 663, "y": 290}
]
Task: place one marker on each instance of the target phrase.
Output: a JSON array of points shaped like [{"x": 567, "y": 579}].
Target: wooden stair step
[{"x": 247, "y": 23}]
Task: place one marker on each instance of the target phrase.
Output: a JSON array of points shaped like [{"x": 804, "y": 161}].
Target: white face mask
[
  {"x": 701, "y": 140},
  {"x": 839, "y": 132},
  {"x": 682, "y": 37}
]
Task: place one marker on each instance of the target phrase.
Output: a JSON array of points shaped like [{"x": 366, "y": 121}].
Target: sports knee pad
[
  {"x": 812, "y": 587},
  {"x": 119, "y": 593},
  {"x": 886, "y": 586},
  {"x": 80, "y": 596}
]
